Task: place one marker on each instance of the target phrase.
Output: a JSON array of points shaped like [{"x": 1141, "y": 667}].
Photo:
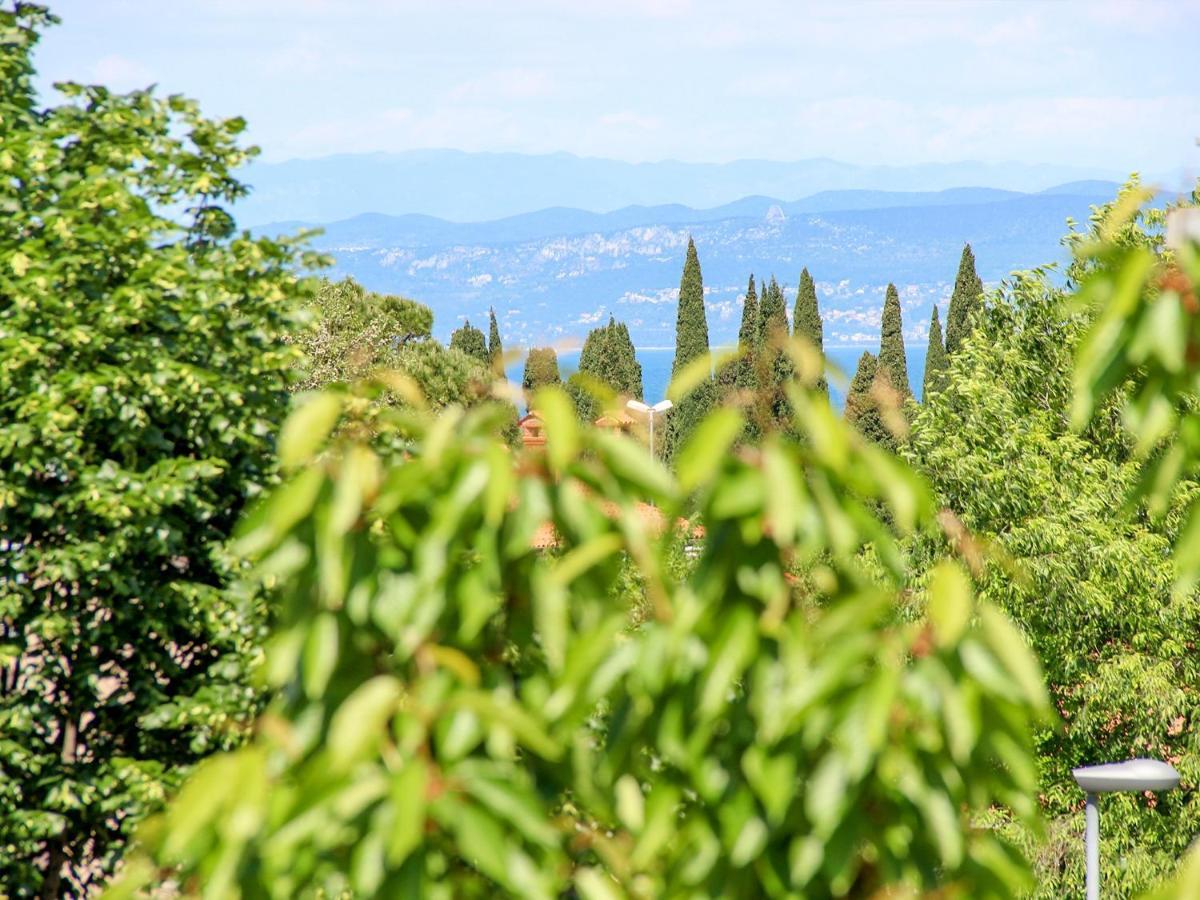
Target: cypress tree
[
  {"x": 892, "y": 362},
  {"x": 935, "y": 360},
  {"x": 541, "y": 369},
  {"x": 608, "y": 357},
  {"x": 774, "y": 366},
  {"x": 629, "y": 367},
  {"x": 862, "y": 408},
  {"x": 806, "y": 320},
  {"x": 691, "y": 343},
  {"x": 966, "y": 299},
  {"x": 772, "y": 314},
  {"x": 495, "y": 347},
  {"x": 742, "y": 370},
  {"x": 470, "y": 340}
]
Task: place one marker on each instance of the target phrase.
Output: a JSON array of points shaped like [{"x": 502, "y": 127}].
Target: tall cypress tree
[
  {"x": 862, "y": 407},
  {"x": 966, "y": 299},
  {"x": 470, "y": 341},
  {"x": 935, "y": 360},
  {"x": 495, "y": 347},
  {"x": 743, "y": 369},
  {"x": 806, "y": 320},
  {"x": 774, "y": 366},
  {"x": 892, "y": 363},
  {"x": 628, "y": 366},
  {"x": 691, "y": 343}
]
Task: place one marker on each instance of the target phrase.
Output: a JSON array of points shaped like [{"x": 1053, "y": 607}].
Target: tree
[
  {"x": 691, "y": 345},
  {"x": 893, "y": 365},
  {"x": 470, "y": 340},
  {"x": 1130, "y": 369},
  {"x": 1081, "y": 561},
  {"x": 494, "y": 347},
  {"x": 862, "y": 402},
  {"x": 460, "y": 714},
  {"x": 541, "y": 369},
  {"x": 806, "y": 320},
  {"x": 145, "y": 366},
  {"x": 356, "y": 331},
  {"x": 935, "y": 360},
  {"x": 966, "y": 299},
  {"x": 607, "y": 364},
  {"x": 773, "y": 364}
]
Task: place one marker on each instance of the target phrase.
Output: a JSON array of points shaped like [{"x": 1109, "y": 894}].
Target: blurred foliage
[
  {"x": 143, "y": 376},
  {"x": 458, "y": 714}
]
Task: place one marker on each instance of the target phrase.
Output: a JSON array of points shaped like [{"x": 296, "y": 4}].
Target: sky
[{"x": 1094, "y": 83}]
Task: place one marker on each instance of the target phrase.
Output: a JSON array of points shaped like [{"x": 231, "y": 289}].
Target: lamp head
[
  {"x": 662, "y": 406},
  {"x": 637, "y": 406},
  {"x": 1131, "y": 775}
]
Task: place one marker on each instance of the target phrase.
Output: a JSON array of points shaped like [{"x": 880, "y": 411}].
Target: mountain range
[
  {"x": 553, "y": 274},
  {"x": 473, "y": 187}
]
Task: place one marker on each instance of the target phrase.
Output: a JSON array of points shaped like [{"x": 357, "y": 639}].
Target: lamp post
[
  {"x": 1132, "y": 775},
  {"x": 650, "y": 412}
]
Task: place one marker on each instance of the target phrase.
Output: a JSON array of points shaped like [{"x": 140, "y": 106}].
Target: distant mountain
[
  {"x": 553, "y": 274},
  {"x": 375, "y": 230},
  {"x": 473, "y": 187}
]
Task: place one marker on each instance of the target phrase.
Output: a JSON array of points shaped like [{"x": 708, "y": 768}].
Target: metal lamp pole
[
  {"x": 1132, "y": 775},
  {"x": 650, "y": 412}
]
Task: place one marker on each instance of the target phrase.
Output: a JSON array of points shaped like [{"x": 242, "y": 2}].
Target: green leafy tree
[
  {"x": 893, "y": 364},
  {"x": 495, "y": 347},
  {"x": 459, "y": 714},
  {"x": 356, "y": 331},
  {"x": 1090, "y": 585},
  {"x": 935, "y": 360},
  {"x": 806, "y": 320},
  {"x": 144, "y": 369},
  {"x": 691, "y": 352},
  {"x": 470, "y": 340},
  {"x": 1136, "y": 359},
  {"x": 541, "y": 369},
  {"x": 965, "y": 301}
]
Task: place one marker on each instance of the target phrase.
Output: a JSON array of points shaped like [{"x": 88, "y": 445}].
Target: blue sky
[{"x": 1095, "y": 83}]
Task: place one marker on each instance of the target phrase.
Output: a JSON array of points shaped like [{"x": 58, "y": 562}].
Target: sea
[{"x": 656, "y": 369}]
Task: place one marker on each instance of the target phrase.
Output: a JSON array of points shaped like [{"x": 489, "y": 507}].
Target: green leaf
[
  {"x": 320, "y": 653},
  {"x": 705, "y": 449},
  {"x": 360, "y": 723},
  {"x": 949, "y": 602},
  {"x": 307, "y": 428},
  {"x": 408, "y": 802}
]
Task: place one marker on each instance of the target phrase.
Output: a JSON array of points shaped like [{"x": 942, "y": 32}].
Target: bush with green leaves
[
  {"x": 459, "y": 714},
  {"x": 144, "y": 372},
  {"x": 1137, "y": 365},
  {"x": 1085, "y": 574}
]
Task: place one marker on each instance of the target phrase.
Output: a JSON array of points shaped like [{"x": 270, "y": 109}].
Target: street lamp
[
  {"x": 1132, "y": 775},
  {"x": 650, "y": 412}
]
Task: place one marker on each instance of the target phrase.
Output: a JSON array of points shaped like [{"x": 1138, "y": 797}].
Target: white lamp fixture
[
  {"x": 1131, "y": 775},
  {"x": 650, "y": 412}
]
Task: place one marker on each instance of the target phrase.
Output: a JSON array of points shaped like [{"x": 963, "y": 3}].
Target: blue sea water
[{"x": 656, "y": 369}]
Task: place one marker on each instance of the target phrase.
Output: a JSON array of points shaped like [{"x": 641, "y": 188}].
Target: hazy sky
[{"x": 1110, "y": 84}]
